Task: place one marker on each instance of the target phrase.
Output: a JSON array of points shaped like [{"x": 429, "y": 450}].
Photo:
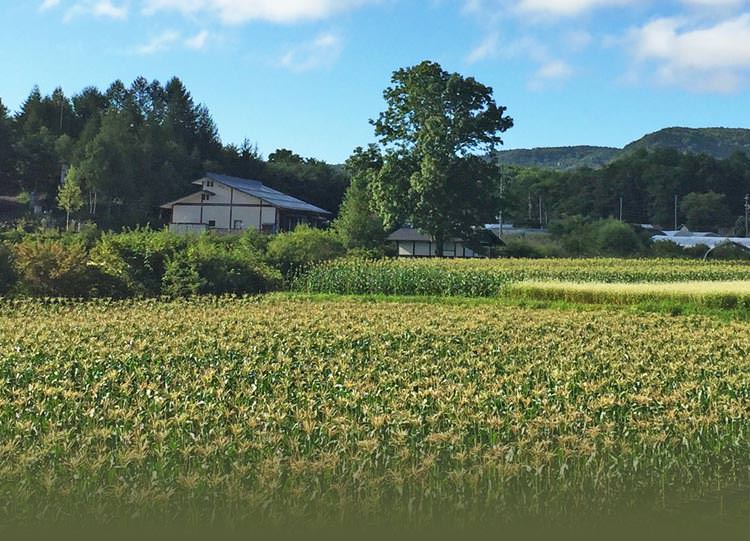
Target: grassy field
[
  {"x": 273, "y": 409},
  {"x": 724, "y": 295},
  {"x": 489, "y": 278}
]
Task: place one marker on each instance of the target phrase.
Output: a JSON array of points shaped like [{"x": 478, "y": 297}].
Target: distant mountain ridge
[{"x": 719, "y": 143}]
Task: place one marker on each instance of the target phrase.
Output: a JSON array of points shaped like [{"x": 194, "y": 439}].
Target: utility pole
[
  {"x": 541, "y": 215},
  {"x": 620, "y": 208},
  {"x": 502, "y": 203},
  {"x": 675, "y": 212},
  {"x": 747, "y": 214},
  {"x": 529, "y": 207}
]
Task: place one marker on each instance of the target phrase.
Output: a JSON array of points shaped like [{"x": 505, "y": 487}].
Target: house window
[
  {"x": 212, "y": 223},
  {"x": 205, "y": 197},
  {"x": 238, "y": 224},
  {"x": 209, "y": 184}
]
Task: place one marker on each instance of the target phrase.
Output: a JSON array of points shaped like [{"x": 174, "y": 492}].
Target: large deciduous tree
[{"x": 435, "y": 136}]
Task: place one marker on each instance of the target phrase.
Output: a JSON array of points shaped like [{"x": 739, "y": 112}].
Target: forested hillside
[
  {"x": 647, "y": 182},
  {"x": 718, "y": 143},
  {"x": 136, "y": 147},
  {"x": 559, "y": 158}
]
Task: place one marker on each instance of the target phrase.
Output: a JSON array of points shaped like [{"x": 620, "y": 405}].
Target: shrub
[
  {"x": 667, "y": 249},
  {"x": 613, "y": 237},
  {"x": 8, "y": 274},
  {"x": 137, "y": 259},
  {"x": 52, "y": 268},
  {"x": 519, "y": 248},
  {"x": 729, "y": 252},
  {"x": 223, "y": 269},
  {"x": 181, "y": 278},
  {"x": 297, "y": 250}
]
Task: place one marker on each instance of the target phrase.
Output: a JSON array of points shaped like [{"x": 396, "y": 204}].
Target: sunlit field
[
  {"x": 488, "y": 278},
  {"x": 271, "y": 410},
  {"x": 734, "y": 294}
]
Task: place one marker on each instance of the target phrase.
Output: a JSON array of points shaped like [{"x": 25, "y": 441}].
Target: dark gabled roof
[
  {"x": 410, "y": 234},
  {"x": 256, "y": 188}
]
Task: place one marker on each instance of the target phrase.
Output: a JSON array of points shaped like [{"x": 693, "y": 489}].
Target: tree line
[
  {"x": 136, "y": 147},
  {"x": 654, "y": 187},
  {"x": 132, "y": 148}
]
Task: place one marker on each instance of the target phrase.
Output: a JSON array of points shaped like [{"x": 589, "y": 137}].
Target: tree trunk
[
  {"x": 67, "y": 220},
  {"x": 439, "y": 244}
]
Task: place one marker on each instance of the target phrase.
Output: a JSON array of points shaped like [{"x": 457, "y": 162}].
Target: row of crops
[
  {"x": 486, "y": 278},
  {"x": 273, "y": 410}
]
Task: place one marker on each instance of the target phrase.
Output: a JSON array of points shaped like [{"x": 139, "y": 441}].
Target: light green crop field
[
  {"x": 732, "y": 294},
  {"x": 489, "y": 278},
  {"x": 271, "y": 410}
]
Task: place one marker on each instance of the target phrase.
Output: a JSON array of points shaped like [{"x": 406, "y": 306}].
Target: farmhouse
[
  {"x": 411, "y": 242},
  {"x": 235, "y": 204}
]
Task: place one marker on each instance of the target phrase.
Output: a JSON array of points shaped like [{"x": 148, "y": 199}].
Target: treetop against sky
[{"x": 308, "y": 74}]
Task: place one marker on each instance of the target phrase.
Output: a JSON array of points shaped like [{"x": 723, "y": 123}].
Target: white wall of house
[
  {"x": 422, "y": 249},
  {"x": 224, "y": 208}
]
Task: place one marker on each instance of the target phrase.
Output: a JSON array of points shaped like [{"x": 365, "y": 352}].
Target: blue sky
[{"x": 308, "y": 74}]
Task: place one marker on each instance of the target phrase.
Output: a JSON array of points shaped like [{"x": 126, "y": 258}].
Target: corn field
[
  {"x": 270, "y": 410},
  {"x": 487, "y": 278}
]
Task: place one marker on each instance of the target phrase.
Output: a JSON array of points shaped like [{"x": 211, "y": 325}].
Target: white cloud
[
  {"x": 539, "y": 9},
  {"x": 197, "y": 41},
  {"x": 578, "y": 40},
  {"x": 487, "y": 49},
  {"x": 240, "y": 11},
  {"x": 567, "y": 8},
  {"x": 554, "y": 71},
  {"x": 713, "y": 58},
  {"x": 159, "y": 43},
  {"x": 323, "y": 51},
  {"x": 49, "y": 4},
  {"x": 104, "y": 9}
]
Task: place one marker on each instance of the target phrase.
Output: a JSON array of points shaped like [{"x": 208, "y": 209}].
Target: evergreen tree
[{"x": 8, "y": 183}]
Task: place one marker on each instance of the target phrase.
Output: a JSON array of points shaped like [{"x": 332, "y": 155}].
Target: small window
[
  {"x": 205, "y": 197},
  {"x": 212, "y": 223},
  {"x": 209, "y": 184},
  {"x": 238, "y": 224}
]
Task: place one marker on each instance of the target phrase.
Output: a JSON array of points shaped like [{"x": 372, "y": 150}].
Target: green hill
[
  {"x": 560, "y": 158},
  {"x": 719, "y": 143}
]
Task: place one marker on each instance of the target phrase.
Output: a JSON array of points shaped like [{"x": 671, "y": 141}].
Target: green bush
[
  {"x": 8, "y": 274},
  {"x": 616, "y": 238},
  {"x": 181, "y": 278},
  {"x": 226, "y": 269},
  {"x": 729, "y": 252},
  {"x": 137, "y": 259},
  {"x": 667, "y": 249},
  {"x": 299, "y": 249},
  {"x": 521, "y": 249},
  {"x": 52, "y": 268}
]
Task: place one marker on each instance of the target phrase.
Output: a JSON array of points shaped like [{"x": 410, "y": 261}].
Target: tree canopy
[{"x": 434, "y": 138}]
